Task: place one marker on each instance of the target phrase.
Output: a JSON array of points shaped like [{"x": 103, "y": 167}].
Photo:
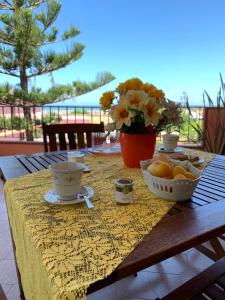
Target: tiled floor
[{"x": 152, "y": 282}]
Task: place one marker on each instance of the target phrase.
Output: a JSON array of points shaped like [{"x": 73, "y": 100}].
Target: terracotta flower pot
[{"x": 137, "y": 147}]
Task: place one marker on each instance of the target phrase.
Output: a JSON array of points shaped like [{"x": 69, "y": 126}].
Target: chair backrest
[
  {"x": 73, "y": 136},
  {"x": 214, "y": 130}
]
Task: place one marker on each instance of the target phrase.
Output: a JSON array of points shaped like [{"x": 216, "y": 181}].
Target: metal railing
[{"x": 14, "y": 124}]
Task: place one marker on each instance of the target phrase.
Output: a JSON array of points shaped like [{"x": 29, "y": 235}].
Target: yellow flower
[
  {"x": 139, "y": 105},
  {"x": 122, "y": 88},
  {"x": 151, "y": 113},
  {"x": 130, "y": 84},
  {"x": 106, "y": 100},
  {"x": 148, "y": 88},
  {"x": 159, "y": 95},
  {"x": 153, "y": 91},
  {"x": 121, "y": 115},
  {"x": 135, "y": 99}
]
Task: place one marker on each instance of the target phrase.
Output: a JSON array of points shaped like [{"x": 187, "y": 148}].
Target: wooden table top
[{"x": 187, "y": 224}]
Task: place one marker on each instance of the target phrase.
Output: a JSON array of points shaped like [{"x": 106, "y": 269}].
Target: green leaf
[{"x": 72, "y": 32}]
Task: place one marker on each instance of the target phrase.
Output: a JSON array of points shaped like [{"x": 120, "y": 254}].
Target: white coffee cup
[
  {"x": 170, "y": 141},
  {"x": 75, "y": 156},
  {"x": 66, "y": 179}
]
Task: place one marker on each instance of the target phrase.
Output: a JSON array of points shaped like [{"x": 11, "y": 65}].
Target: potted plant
[
  {"x": 212, "y": 132},
  {"x": 139, "y": 111}
]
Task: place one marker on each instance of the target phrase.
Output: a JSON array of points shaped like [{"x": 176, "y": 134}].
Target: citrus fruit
[
  {"x": 178, "y": 170},
  {"x": 160, "y": 169}
]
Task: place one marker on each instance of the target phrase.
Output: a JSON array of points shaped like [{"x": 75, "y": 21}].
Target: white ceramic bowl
[{"x": 171, "y": 189}]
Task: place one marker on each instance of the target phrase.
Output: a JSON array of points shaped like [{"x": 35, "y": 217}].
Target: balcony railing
[{"x": 14, "y": 125}]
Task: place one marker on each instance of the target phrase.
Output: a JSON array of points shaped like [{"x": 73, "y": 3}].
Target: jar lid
[{"x": 121, "y": 182}]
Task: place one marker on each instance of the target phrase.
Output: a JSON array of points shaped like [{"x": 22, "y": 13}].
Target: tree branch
[
  {"x": 6, "y": 7},
  {"x": 5, "y": 55},
  {"x": 4, "y": 40},
  {"x": 36, "y": 4},
  {"x": 46, "y": 71},
  {"x": 9, "y": 73},
  {"x": 53, "y": 42},
  {"x": 66, "y": 97}
]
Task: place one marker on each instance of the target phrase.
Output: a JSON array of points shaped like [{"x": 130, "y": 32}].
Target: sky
[{"x": 178, "y": 45}]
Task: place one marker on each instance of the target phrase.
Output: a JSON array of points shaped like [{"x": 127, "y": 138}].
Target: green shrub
[
  {"x": 187, "y": 130},
  {"x": 49, "y": 119},
  {"x": 78, "y": 111},
  {"x": 15, "y": 122}
]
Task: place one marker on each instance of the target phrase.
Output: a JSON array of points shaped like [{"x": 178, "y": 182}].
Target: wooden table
[{"x": 187, "y": 225}]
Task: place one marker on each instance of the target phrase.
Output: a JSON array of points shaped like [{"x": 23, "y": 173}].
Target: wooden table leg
[{"x": 22, "y": 297}]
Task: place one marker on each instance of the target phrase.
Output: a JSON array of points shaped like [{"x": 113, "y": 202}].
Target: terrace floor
[{"x": 152, "y": 282}]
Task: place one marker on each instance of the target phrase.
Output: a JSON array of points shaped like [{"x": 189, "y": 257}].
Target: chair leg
[{"x": 2, "y": 294}]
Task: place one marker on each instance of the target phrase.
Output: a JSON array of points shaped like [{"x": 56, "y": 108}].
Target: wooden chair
[
  {"x": 72, "y": 135},
  {"x": 209, "y": 283},
  {"x": 2, "y": 294}
]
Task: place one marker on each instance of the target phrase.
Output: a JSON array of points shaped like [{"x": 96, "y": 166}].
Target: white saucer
[
  {"x": 198, "y": 162},
  {"x": 86, "y": 169},
  {"x": 194, "y": 163},
  {"x": 176, "y": 150},
  {"x": 52, "y": 198}
]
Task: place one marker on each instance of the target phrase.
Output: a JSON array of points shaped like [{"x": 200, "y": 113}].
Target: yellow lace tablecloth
[{"x": 61, "y": 250}]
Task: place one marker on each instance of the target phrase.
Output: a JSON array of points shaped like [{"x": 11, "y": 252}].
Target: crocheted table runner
[{"x": 62, "y": 249}]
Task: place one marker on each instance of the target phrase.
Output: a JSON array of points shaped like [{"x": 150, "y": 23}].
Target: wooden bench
[{"x": 209, "y": 283}]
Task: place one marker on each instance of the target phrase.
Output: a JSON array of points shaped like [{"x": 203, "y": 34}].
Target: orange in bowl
[
  {"x": 179, "y": 176},
  {"x": 190, "y": 175},
  {"x": 178, "y": 170},
  {"x": 160, "y": 169},
  {"x": 161, "y": 157}
]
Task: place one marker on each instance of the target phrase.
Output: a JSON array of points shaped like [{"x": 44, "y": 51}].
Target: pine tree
[{"x": 25, "y": 30}]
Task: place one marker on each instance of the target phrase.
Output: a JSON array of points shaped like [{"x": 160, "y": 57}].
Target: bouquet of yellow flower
[{"x": 140, "y": 108}]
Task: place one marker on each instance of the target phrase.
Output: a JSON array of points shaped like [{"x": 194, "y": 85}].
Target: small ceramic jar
[{"x": 124, "y": 190}]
